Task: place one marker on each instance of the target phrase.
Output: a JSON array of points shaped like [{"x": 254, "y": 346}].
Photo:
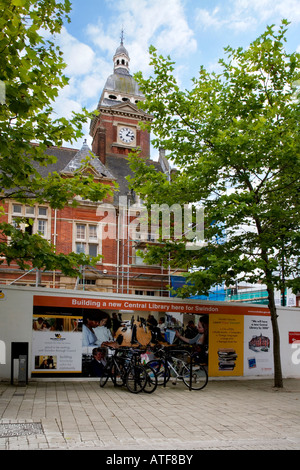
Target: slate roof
[
  {"x": 68, "y": 160},
  {"x": 121, "y": 50},
  {"x": 63, "y": 156},
  {"x": 116, "y": 167},
  {"x": 76, "y": 162},
  {"x": 121, "y": 82},
  {"x": 119, "y": 167}
]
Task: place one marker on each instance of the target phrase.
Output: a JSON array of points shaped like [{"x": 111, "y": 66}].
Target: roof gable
[
  {"x": 123, "y": 108},
  {"x": 87, "y": 162}
]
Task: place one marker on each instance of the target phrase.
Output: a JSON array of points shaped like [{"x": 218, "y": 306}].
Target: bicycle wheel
[
  {"x": 104, "y": 378},
  {"x": 162, "y": 374},
  {"x": 118, "y": 374},
  {"x": 136, "y": 378},
  {"x": 151, "y": 382},
  {"x": 198, "y": 379}
]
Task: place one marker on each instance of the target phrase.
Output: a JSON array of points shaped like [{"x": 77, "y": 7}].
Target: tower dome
[
  {"x": 121, "y": 58},
  {"x": 120, "y": 86},
  {"x": 116, "y": 129}
]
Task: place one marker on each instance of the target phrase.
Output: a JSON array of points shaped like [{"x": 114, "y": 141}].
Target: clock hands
[{"x": 126, "y": 134}]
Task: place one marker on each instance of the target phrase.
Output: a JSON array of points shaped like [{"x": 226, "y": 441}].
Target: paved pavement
[{"x": 74, "y": 415}]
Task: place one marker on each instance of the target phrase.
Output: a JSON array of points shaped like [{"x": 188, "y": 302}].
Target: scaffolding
[
  {"x": 126, "y": 276},
  {"x": 129, "y": 269}
]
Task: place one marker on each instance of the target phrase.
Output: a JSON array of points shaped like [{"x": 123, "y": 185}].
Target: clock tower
[{"x": 116, "y": 130}]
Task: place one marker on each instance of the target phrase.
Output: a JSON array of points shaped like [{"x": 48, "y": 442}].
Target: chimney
[
  {"x": 163, "y": 161},
  {"x": 99, "y": 144}
]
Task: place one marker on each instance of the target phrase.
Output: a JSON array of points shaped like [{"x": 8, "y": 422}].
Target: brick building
[
  {"x": 100, "y": 228},
  {"x": 259, "y": 342}
]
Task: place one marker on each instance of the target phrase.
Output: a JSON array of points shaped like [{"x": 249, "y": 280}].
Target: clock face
[{"x": 126, "y": 135}]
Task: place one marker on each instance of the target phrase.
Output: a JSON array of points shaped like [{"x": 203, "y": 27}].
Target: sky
[{"x": 191, "y": 32}]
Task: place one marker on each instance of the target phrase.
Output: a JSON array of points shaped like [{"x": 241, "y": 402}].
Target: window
[
  {"x": 86, "y": 239},
  {"x": 80, "y": 232},
  {"x": 35, "y": 219},
  {"x": 87, "y": 281},
  {"x": 137, "y": 257},
  {"x": 42, "y": 225},
  {"x": 42, "y": 221},
  {"x": 16, "y": 224},
  {"x": 93, "y": 250},
  {"x": 42, "y": 211},
  {"x": 17, "y": 209},
  {"x": 139, "y": 260},
  {"x": 144, "y": 292},
  {"x": 28, "y": 227},
  {"x": 93, "y": 232},
  {"x": 29, "y": 210},
  {"x": 80, "y": 248}
]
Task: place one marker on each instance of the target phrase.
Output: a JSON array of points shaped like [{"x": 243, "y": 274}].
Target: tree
[
  {"x": 234, "y": 138},
  {"x": 31, "y": 75}
]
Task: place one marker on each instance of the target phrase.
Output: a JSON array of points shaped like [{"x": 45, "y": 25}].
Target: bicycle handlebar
[{"x": 125, "y": 349}]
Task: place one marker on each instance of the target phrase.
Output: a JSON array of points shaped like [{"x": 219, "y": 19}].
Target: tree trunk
[{"x": 278, "y": 382}]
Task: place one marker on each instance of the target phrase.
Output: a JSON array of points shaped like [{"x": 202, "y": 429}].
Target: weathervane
[{"x": 122, "y": 36}]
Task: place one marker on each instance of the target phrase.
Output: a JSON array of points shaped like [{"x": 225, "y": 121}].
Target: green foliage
[
  {"x": 32, "y": 71},
  {"x": 234, "y": 138},
  {"x": 33, "y": 250}
]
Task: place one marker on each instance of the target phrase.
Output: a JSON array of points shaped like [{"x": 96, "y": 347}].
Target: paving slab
[{"x": 79, "y": 415}]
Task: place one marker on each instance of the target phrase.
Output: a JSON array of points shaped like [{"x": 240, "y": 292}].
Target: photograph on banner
[
  {"x": 56, "y": 344},
  {"x": 258, "y": 347},
  {"x": 226, "y": 348}
]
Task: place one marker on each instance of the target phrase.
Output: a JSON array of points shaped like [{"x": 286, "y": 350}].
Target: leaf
[{"x": 18, "y": 3}]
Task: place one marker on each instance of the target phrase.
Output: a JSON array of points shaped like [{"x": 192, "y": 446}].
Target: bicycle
[
  {"x": 151, "y": 381},
  {"x": 193, "y": 375},
  {"x": 124, "y": 368}
]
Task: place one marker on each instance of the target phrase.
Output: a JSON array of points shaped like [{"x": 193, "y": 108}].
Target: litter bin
[{"x": 20, "y": 351}]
